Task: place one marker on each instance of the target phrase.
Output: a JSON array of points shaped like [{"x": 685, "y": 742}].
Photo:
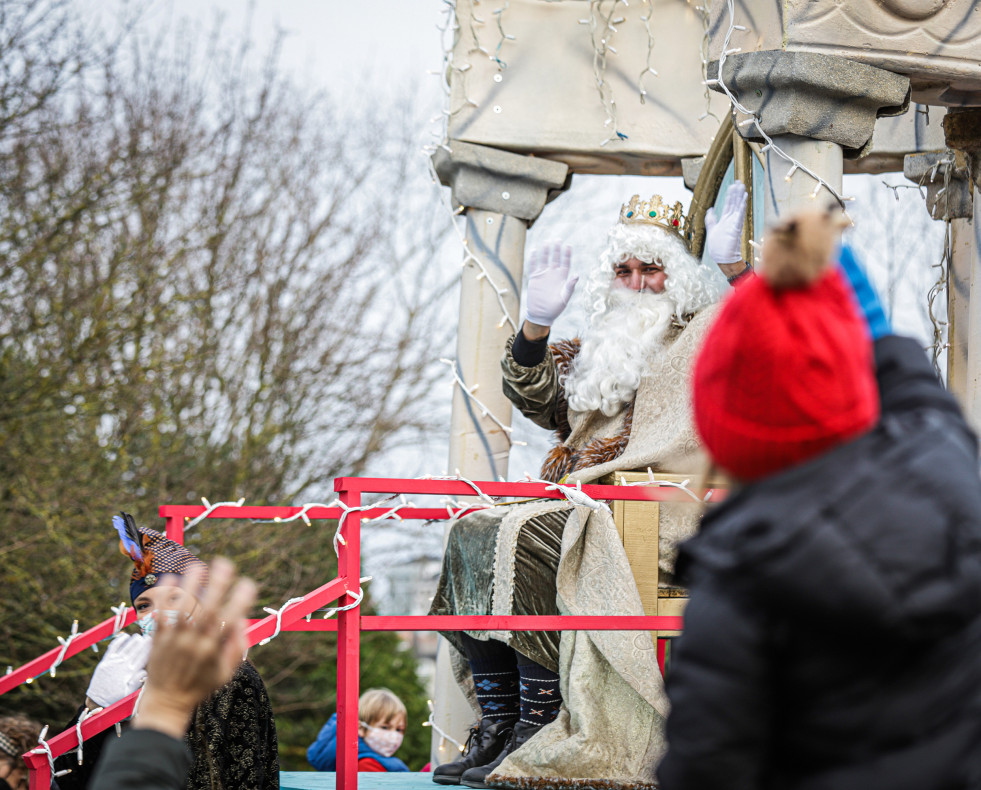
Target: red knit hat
[{"x": 783, "y": 375}]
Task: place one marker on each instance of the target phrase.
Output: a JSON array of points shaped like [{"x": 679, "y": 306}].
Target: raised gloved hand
[
  {"x": 724, "y": 236},
  {"x": 121, "y": 671},
  {"x": 868, "y": 299},
  {"x": 550, "y": 284}
]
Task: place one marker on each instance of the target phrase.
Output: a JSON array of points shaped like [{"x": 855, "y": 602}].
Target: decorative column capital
[
  {"x": 962, "y": 130},
  {"x": 822, "y": 97},
  {"x": 930, "y": 171},
  {"x": 493, "y": 180}
]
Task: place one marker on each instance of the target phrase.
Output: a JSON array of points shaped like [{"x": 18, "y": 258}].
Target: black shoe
[
  {"x": 484, "y": 744},
  {"x": 522, "y": 732}
]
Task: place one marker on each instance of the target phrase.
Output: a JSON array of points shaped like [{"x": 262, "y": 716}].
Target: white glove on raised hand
[
  {"x": 550, "y": 285},
  {"x": 724, "y": 236},
  {"x": 121, "y": 671}
]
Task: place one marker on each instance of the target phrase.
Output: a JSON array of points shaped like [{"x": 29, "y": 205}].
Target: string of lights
[
  {"x": 484, "y": 410},
  {"x": 940, "y": 326},
  {"x": 120, "y": 617},
  {"x": 703, "y": 51},
  {"x": 648, "y": 19},
  {"x": 469, "y": 258},
  {"x": 574, "y": 494},
  {"x": 444, "y": 736},
  {"x": 474, "y": 21},
  {"x": 754, "y": 120},
  {"x": 209, "y": 509},
  {"x": 602, "y": 27},
  {"x": 496, "y": 57},
  {"x": 43, "y": 747},
  {"x": 53, "y": 670},
  {"x": 279, "y": 618},
  {"x": 86, "y": 712},
  {"x": 358, "y": 598},
  {"x": 939, "y": 288},
  {"x": 652, "y": 481},
  {"x": 462, "y": 479}
]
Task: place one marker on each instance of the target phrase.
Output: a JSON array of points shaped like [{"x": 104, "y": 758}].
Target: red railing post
[
  {"x": 174, "y": 529},
  {"x": 348, "y": 641},
  {"x": 39, "y": 771}
]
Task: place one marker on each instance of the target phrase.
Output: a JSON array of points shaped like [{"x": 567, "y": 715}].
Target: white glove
[
  {"x": 121, "y": 671},
  {"x": 549, "y": 284},
  {"x": 724, "y": 236}
]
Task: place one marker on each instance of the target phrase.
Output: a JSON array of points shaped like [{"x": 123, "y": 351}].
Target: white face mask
[
  {"x": 385, "y": 742},
  {"x": 148, "y": 622}
]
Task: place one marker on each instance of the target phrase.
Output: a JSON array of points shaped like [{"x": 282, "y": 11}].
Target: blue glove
[{"x": 868, "y": 299}]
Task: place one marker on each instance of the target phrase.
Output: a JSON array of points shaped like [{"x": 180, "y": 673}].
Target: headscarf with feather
[{"x": 152, "y": 553}]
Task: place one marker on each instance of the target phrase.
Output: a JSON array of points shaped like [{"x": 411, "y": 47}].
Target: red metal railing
[{"x": 349, "y": 623}]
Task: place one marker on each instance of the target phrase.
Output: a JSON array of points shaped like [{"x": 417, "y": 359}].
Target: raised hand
[
  {"x": 121, "y": 670},
  {"x": 723, "y": 236},
  {"x": 192, "y": 657},
  {"x": 550, "y": 284}
]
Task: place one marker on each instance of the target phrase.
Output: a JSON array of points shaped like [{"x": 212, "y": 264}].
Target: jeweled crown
[{"x": 653, "y": 212}]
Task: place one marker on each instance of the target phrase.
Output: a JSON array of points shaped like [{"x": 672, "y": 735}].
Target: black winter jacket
[{"x": 833, "y": 635}]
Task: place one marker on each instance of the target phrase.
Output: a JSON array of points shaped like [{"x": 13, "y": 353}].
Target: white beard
[{"x": 617, "y": 349}]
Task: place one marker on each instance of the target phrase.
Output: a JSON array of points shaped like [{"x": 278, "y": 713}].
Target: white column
[
  {"x": 784, "y": 195},
  {"x": 960, "y": 297},
  {"x": 479, "y": 447},
  {"x": 971, "y": 253}
]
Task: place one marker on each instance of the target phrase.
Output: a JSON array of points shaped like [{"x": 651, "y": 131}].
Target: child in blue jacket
[{"x": 382, "y": 718}]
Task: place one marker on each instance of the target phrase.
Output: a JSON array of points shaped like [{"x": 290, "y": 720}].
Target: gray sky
[
  {"x": 332, "y": 42},
  {"x": 341, "y": 46}
]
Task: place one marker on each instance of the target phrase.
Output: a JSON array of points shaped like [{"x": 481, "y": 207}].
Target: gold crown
[{"x": 653, "y": 212}]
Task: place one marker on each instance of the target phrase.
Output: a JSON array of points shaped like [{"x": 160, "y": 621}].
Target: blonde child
[{"x": 382, "y": 719}]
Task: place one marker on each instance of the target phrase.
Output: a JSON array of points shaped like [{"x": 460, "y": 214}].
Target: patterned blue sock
[
  {"x": 540, "y": 694},
  {"x": 497, "y": 689}
]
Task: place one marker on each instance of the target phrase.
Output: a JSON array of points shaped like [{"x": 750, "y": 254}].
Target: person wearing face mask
[
  {"x": 233, "y": 733},
  {"x": 382, "y": 717}
]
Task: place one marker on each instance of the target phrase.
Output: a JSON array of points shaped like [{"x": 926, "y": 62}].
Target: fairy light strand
[
  {"x": 753, "y": 119},
  {"x": 469, "y": 258},
  {"x": 496, "y": 57},
  {"x": 209, "y": 509},
  {"x": 78, "y": 729},
  {"x": 653, "y": 481},
  {"x": 940, "y": 327},
  {"x": 65, "y": 643},
  {"x": 485, "y": 411},
  {"x": 119, "y": 618},
  {"x": 474, "y": 21},
  {"x": 574, "y": 494},
  {"x": 602, "y": 27},
  {"x": 648, "y": 19},
  {"x": 279, "y": 618},
  {"x": 443, "y": 734},
  {"x": 44, "y": 748},
  {"x": 703, "y": 54}
]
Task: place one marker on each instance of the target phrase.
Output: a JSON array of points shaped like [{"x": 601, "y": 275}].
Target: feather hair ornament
[{"x": 132, "y": 542}]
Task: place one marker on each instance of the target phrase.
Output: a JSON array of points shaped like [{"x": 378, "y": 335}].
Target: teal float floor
[{"x": 316, "y": 780}]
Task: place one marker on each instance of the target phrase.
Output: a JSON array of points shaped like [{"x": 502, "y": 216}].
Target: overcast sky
[
  {"x": 328, "y": 41},
  {"x": 341, "y": 46}
]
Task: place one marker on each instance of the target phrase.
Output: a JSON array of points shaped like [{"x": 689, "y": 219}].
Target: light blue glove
[{"x": 868, "y": 299}]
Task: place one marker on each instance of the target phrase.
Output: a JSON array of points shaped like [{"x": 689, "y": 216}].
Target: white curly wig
[
  {"x": 690, "y": 284},
  {"x": 626, "y": 327}
]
